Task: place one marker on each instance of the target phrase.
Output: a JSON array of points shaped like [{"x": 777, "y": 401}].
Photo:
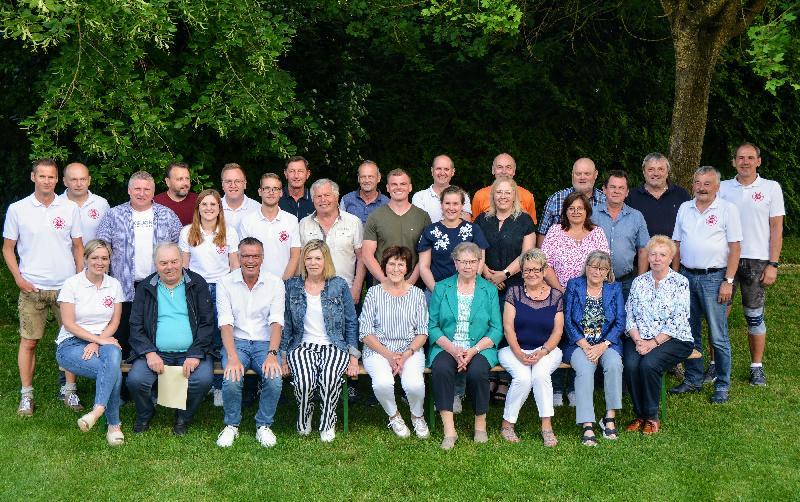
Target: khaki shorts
[{"x": 33, "y": 309}]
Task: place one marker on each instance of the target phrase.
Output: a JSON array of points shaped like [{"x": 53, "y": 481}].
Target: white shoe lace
[{"x": 72, "y": 399}]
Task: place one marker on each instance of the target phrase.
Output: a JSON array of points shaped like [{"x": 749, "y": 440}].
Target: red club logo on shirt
[
  {"x": 108, "y": 302},
  {"x": 221, "y": 249},
  {"x": 93, "y": 213},
  {"x": 758, "y": 196},
  {"x": 59, "y": 223},
  {"x": 283, "y": 236},
  {"x": 711, "y": 220}
]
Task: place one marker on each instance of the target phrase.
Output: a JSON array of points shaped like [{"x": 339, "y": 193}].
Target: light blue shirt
[
  {"x": 625, "y": 235},
  {"x": 173, "y": 331},
  {"x": 355, "y": 205}
]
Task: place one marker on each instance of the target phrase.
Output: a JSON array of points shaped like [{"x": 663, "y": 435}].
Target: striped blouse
[{"x": 394, "y": 320}]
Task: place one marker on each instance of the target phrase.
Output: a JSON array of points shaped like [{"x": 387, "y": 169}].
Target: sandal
[
  {"x": 86, "y": 422},
  {"x": 586, "y": 439},
  {"x": 499, "y": 396},
  {"x": 549, "y": 438},
  {"x": 509, "y": 434},
  {"x": 609, "y": 431}
]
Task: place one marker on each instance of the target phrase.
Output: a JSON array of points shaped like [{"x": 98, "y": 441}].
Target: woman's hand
[
  {"x": 521, "y": 356},
  {"x": 90, "y": 351},
  {"x": 399, "y": 361},
  {"x": 466, "y": 357},
  {"x": 352, "y": 367},
  {"x": 593, "y": 352},
  {"x": 535, "y": 356},
  {"x": 643, "y": 347}
]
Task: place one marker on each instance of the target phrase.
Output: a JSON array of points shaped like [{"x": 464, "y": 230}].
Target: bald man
[
  {"x": 442, "y": 170},
  {"x": 503, "y": 167},
  {"x": 92, "y": 207}
]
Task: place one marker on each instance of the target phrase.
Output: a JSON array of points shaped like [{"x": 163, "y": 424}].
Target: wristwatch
[
  {"x": 775, "y": 264},
  {"x": 729, "y": 280},
  {"x": 273, "y": 352},
  {"x": 508, "y": 274}
]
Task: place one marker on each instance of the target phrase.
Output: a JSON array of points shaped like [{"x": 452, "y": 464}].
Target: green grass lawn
[{"x": 747, "y": 449}]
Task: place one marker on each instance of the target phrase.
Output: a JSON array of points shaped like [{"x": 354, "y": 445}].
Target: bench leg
[
  {"x": 346, "y": 405},
  {"x": 664, "y": 398},
  {"x": 431, "y": 407}
]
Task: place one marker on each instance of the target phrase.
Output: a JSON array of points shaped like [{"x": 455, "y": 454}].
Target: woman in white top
[
  {"x": 210, "y": 248},
  {"x": 394, "y": 329},
  {"x": 90, "y": 311}
]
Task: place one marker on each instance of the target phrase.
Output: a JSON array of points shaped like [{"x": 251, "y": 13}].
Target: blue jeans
[
  {"x": 141, "y": 379},
  {"x": 104, "y": 369},
  {"x": 252, "y": 355},
  {"x": 704, "y": 291}
]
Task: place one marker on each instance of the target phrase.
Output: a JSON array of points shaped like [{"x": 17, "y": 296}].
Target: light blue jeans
[
  {"x": 104, "y": 369},
  {"x": 704, "y": 290},
  {"x": 252, "y": 355},
  {"x": 584, "y": 383}
]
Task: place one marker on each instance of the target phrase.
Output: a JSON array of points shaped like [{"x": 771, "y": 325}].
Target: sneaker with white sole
[
  {"x": 571, "y": 399},
  {"x": 420, "y": 427},
  {"x": 457, "y": 404},
  {"x": 26, "y": 406},
  {"x": 217, "y": 398},
  {"x": 399, "y": 426},
  {"x": 558, "y": 399},
  {"x": 227, "y": 436},
  {"x": 710, "y": 375},
  {"x": 72, "y": 400},
  {"x": 328, "y": 435},
  {"x": 265, "y": 436}
]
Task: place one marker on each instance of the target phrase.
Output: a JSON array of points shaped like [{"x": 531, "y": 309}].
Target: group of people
[{"x": 615, "y": 277}]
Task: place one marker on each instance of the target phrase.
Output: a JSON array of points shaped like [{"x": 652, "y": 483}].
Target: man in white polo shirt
[
  {"x": 708, "y": 233},
  {"x": 760, "y": 204},
  {"x": 250, "y": 306},
  {"x": 277, "y": 230},
  {"x": 340, "y": 230},
  {"x": 46, "y": 232},
  {"x": 235, "y": 203},
  {"x": 92, "y": 206},
  {"x": 442, "y": 169}
]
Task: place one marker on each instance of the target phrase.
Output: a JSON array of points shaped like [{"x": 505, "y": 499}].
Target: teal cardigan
[{"x": 484, "y": 317}]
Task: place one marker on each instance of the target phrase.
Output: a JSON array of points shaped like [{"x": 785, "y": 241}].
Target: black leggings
[{"x": 443, "y": 375}]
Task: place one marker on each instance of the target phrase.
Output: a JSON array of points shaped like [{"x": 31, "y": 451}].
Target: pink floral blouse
[{"x": 567, "y": 256}]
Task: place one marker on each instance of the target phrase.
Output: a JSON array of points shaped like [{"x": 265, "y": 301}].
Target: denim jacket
[
  {"x": 574, "y": 304},
  {"x": 338, "y": 313}
]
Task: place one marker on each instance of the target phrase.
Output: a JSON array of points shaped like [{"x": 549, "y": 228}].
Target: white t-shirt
[
  {"x": 314, "y": 322},
  {"x": 44, "y": 239},
  {"x": 250, "y": 311},
  {"x": 278, "y": 236},
  {"x": 234, "y": 217},
  {"x": 208, "y": 259},
  {"x": 93, "y": 307},
  {"x": 757, "y": 203},
  {"x": 704, "y": 237},
  {"x": 92, "y": 211},
  {"x": 343, "y": 239},
  {"x": 428, "y": 201},
  {"x": 142, "y": 244}
]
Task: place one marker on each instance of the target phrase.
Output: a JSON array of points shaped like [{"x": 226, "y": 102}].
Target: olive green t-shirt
[{"x": 387, "y": 228}]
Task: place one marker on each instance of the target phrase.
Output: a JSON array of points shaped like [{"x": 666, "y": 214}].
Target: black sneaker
[
  {"x": 141, "y": 426},
  {"x": 757, "y": 377},
  {"x": 684, "y": 388},
  {"x": 720, "y": 396},
  {"x": 180, "y": 428},
  {"x": 710, "y": 376}
]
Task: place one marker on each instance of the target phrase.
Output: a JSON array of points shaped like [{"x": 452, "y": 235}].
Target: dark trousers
[
  {"x": 643, "y": 374},
  {"x": 443, "y": 376},
  {"x": 141, "y": 379},
  {"x": 124, "y": 331}
]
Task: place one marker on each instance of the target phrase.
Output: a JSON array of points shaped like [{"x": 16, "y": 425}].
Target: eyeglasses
[
  {"x": 600, "y": 269},
  {"x": 470, "y": 263},
  {"x": 233, "y": 182},
  {"x": 576, "y": 210},
  {"x": 529, "y": 271},
  {"x": 271, "y": 189}
]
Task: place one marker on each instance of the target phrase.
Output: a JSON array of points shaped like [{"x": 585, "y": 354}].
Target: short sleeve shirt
[
  {"x": 388, "y": 228},
  {"x": 184, "y": 209},
  {"x": 659, "y": 214},
  {"x": 704, "y": 236},
  {"x": 431, "y": 203},
  {"x": 355, "y": 205},
  {"x": 626, "y": 235},
  {"x": 552, "y": 208},
  {"x": 234, "y": 217},
  {"x": 505, "y": 243},
  {"x": 278, "y": 236},
  {"x": 441, "y": 240},
  {"x": 757, "y": 203},
  {"x": 92, "y": 211},
  {"x": 480, "y": 203},
  {"x": 568, "y": 256},
  {"x": 94, "y": 306},
  {"x": 343, "y": 239},
  {"x": 208, "y": 259}
]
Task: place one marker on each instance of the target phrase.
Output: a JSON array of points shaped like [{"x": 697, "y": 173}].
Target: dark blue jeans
[
  {"x": 216, "y": 335},
  {"x": 643, "y": 373}
]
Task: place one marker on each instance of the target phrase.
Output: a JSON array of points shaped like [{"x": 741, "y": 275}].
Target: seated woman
[
  {"x": 320, "y": 337},
  {"x": 533, "y": 321},
  {"x": 90, "y": 311},
  {"x": 595, "y": 321},
  {"x": 464, "y": 329},
  {"x": 394, "y": 328},
  {"x": 659, "y": 336}
]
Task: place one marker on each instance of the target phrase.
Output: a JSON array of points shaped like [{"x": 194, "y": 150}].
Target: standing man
[
  {"x": 503, "y": 167},
  {"x": 584, "y": 176},
  {"x": 296, "y": 199},
  {"x": 235, "y": 203},
  {"x": 625, "y": 229},
  {"x": 708, "y": 234},
  {"x": 133, "y": 229},
  {"x": 250, "y": 306},
  {"x": 398, "y": 223},
  {"x": 429, "y": 200},
  {"x": 657, "y": 199},
  {"x": 341, "y": 231},
  {"x": 760, "y": 204},
  {"x": 46, "y": 232},
  {"x": 92, "y": 207},
  {"x": 178, "y": 197},
  {"x": 367, "y": 198},
  {"x": 277, "y": 230}
]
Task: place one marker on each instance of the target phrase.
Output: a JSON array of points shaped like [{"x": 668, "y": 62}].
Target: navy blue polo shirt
[
  {"x": 659, "y": 214},
  {"x": 300, "y": 208}
]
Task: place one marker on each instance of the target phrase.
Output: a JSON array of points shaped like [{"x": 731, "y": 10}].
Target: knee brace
[{"x": 755, "y": 321}]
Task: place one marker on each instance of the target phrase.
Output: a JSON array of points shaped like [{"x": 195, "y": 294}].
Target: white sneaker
[
  {"x": 558, "y": 399},
  {"x": 217, "y": 397},
  {"x": 571, "y": 399},
  {"x": 227, "y": 436},
  {"x": 304, "y": 432},
  {"x": 399, "y": 427},
  {"x": 265, "y": 436},
  {"x": 457, "y": 404},
  {"x": 328, "y": 435},
  {"x": 420, "y": 427}
]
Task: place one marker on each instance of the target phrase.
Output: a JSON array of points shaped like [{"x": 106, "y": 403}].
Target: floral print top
[
  {"x": 568, "y": 256},
  {"x": 663, "y": 309},
  {"x": 441, "y": 240},
  {"x": 593, "y": 318}
]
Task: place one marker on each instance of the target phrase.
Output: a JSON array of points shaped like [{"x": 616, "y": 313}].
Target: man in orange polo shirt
[{"x": 503, "y": 166}]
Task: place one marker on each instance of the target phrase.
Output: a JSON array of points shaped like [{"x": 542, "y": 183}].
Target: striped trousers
[{"x": 317, "y": 369}]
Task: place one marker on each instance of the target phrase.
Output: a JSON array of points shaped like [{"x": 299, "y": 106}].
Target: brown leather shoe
[
  {"x": 651, "y": 427},
  {"x": 635, "y": 425}
]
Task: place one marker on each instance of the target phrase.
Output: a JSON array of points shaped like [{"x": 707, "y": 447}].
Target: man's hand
[
  {"x": 189, "y": 365},
  {"x": 25, "y": 286},
  {"x": 271, "y": 367},
  {"x": 154, "y": 362},
  {"x": 769, "y": 276},
  {"x": 725, "y": 293},
  {"x": 234, "y": 370}
]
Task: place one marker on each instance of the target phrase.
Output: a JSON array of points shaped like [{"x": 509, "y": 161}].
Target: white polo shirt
[
  {"x": 343, "y": 239},
  {"x": 233, "y": 217},
  {"x": 208, "y": 259},
  {"x": 44, "y": 239},
  {"x": 93, "y": 307},
  {"x": 757, "y": 203},
  {"x": 250, "y": 312},
  {"x": 92, "y": 211},
  {"x": 704, "y": 236},
  {"x": 278, "y": 236},
  {"x": 428, "y": 201}
]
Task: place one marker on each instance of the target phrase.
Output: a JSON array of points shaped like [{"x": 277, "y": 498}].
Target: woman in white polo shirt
[
  {"x": 90, "y": 311},
  {"x": 210, "y": 248}
]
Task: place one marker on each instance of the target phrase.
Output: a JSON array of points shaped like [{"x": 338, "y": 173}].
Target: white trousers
[
  {"x": 410, "y": 378},
  {"x": 526, "y": 378}
]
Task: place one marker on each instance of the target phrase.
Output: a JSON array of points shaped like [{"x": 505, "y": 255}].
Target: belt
[{"x": 703, "y": 271}]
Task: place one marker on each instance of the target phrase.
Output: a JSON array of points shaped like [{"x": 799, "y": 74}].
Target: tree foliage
[{"x": 775, "y": 46}]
